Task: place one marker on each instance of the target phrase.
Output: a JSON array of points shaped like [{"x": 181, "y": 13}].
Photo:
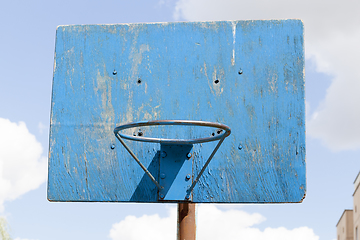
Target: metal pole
[{"x": 186, "y": 221}]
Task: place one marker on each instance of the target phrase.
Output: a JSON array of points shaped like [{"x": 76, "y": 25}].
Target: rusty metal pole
[{"x": 186, "y": 221}]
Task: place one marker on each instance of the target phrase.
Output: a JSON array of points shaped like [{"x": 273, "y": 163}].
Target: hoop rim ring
[{"x": 224, "y": 134}]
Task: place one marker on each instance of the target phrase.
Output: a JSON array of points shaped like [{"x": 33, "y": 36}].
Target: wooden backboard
[{"x": 248, "y": 75}]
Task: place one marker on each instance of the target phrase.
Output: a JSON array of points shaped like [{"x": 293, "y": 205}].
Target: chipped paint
[
  {"x": 137, "y": 56},
  {"x": 234, "y": 41},
  {"x": 103, "y": 88},
  {"x": 129, "y": 114}
]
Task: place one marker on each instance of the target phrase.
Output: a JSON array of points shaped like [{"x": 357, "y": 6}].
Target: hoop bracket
[{"x": 175, "y": 163}]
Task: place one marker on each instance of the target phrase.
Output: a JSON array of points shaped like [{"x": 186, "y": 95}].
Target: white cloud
[
  {"x": 22, "y": 166},
  {"x": 337, "y": 120},
  {"x": 145, "y": 227},
  {"x": 332, "y": 34},
  {"x": 212, "y": 223}
]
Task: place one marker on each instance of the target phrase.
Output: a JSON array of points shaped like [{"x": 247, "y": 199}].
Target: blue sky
[{"x": 27, "y": 40}]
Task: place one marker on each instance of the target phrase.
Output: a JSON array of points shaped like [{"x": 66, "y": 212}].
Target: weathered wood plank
[{"x": 106, "y": 75}]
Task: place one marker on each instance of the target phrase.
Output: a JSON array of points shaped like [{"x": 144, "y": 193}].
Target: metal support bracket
[{"x": 175, "y": 172}]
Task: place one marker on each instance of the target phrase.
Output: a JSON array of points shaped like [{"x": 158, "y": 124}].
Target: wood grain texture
[{"x": 107, "y": 75}]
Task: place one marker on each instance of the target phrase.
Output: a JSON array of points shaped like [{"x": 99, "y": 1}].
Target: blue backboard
[{"x": 248, "y": 75}]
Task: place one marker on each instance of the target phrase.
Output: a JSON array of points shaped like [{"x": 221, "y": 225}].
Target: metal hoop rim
[{"x": 224, "y": 134}]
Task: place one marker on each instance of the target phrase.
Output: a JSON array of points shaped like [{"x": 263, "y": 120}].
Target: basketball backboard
[{"x": 247, "y": 75}]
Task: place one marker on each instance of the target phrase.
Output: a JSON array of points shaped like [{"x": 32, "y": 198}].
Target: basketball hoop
[{"x": 221, "y": 136}]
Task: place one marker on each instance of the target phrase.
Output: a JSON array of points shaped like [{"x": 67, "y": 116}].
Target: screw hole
[
  {"x": 140, "y": 134},
  {"x": 213, "y": 134},
  {"x": 216, "y": 81},
  {"x": 139, "y": 81},
  {"x": 114, "y": 72},
  {"x": 240, "y": 71}
]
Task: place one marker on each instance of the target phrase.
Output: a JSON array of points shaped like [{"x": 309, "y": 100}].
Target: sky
[{"x": 27, "y": 40}]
